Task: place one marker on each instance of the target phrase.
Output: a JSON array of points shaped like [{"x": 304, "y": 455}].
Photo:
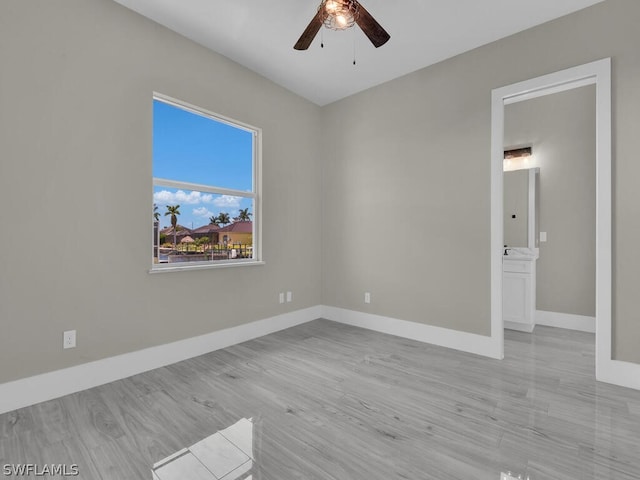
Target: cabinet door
[{"x": 516, "y": 299}]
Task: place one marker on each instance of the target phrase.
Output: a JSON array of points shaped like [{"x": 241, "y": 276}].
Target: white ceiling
[{"x": 260, "y": 34}]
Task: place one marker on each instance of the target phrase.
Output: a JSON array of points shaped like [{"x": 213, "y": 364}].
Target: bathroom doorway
[
  {"x": 550, "y": 229},
  {"x": 550, "y": 207},
  {"x": 599, "y": 74}
]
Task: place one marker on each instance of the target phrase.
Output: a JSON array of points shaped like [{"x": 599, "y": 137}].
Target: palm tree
[
  {"x": 214, "y": 221},
  {"x": 174, "y": 211},
  {"x": 244, "y": 215},
  {"x": 224, "y": 218},
  {"x": 156, "y": 230}
]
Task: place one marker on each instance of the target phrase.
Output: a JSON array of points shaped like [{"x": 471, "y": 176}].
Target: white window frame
[{"x": 254, "y": 194}]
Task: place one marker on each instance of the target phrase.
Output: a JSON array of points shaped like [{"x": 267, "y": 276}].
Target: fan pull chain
[
  {"x": 321, "y": 38},
  {"x": 354, "y": 45}
]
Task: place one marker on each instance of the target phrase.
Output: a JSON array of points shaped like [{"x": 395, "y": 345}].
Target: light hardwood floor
[{"x": 330, "y": 401}]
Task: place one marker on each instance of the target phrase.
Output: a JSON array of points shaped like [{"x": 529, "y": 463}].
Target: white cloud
[
  {"x": 227, "y": 201},
  {"x": 165, "y": 197},
  {"x": 202, "y": 212}
]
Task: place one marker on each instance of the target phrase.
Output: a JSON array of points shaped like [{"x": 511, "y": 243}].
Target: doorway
[{"x": 599, "y": 74}]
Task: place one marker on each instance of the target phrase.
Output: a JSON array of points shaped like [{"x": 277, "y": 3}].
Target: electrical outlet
[
  {"x": 367, "y": 297},
  {"x": 543, "y": 236},
  {"x": 289, "y": 297},
  {"x": 281, "y": 297},
  {"x": 69, "y": 339}
]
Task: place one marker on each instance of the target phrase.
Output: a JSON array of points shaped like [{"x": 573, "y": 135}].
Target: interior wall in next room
[{"x": 561, "y": 130}]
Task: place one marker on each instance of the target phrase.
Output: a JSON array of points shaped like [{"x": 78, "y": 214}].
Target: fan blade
[
  {"x": 309, "y": 33},
  {"x": 372, "y": 29}
]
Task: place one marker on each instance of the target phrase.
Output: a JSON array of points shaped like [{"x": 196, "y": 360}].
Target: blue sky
[{"x": 192, "y": 148}]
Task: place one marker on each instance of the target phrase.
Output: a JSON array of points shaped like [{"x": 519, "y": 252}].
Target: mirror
[{"x": 521, "y": 208}]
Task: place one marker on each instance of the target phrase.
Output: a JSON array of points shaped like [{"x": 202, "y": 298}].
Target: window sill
[{"x": 207, "y": 266}]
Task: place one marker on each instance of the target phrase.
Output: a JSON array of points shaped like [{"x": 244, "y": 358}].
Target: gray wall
[
  {"x": 516, "y": 202},
  {"x": 76, "y": 83},
  {"x": 411, "y": 161},
  {"x": 404, "y": 203},
  {"x": 561, "y": 128}
]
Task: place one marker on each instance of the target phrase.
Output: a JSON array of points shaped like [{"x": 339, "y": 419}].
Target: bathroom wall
[{"x": 561, "y": 129}]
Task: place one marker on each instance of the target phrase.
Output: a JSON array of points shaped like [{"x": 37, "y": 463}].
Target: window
[{"x": 205, "y": 188}]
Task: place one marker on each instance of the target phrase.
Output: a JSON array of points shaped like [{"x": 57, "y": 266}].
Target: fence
[{"x": 191, "y": 253}]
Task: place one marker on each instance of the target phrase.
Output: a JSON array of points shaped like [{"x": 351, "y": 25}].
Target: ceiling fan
[{"x": 340, "y": 15}]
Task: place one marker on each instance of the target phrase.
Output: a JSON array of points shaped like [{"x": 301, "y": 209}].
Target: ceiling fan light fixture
[
  {"x": 331, "y": 6},
  {"x": 338, "y": 14},
  {"x": 341, "y": 15}
]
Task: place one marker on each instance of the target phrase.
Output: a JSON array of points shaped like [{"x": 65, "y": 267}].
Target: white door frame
[{"x": 596, "y": 73}]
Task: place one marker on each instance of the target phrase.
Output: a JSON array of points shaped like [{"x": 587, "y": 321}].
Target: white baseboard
[
  {"x": 566, "y": 320},
  {"x": 39, "y": 388},
  {"x": 617, "y": 372},
  {"x": 443, "y": 337},
  {"x": 521, "y": 327}
]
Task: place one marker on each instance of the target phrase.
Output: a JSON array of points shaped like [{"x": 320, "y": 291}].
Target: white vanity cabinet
[{"x": 519, "y": 292}]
